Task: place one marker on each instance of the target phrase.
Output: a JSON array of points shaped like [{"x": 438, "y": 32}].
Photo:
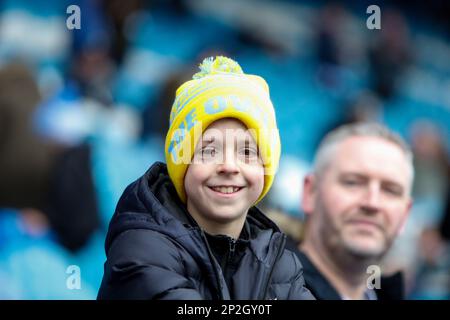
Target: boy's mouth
[{"x": 226, "y": 189}]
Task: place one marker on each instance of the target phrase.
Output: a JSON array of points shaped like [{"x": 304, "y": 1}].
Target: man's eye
[
  {"x": 393, "y": 191},
  {"x": 351, "y": 182}
]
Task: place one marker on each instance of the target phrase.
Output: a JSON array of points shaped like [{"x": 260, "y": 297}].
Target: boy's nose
[{"x": 229, "y": 164}]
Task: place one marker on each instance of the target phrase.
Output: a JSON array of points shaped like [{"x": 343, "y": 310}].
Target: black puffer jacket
[{"x": 155, "y": 250}]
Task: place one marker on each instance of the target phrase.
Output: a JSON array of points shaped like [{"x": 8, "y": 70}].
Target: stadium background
[{"x": 84, "y": 112}]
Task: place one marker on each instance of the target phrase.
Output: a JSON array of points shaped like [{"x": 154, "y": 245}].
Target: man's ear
[{"x": 309, "y": 194}]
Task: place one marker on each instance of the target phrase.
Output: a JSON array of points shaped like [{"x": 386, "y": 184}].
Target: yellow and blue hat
[{"x": 221, "y": 90}]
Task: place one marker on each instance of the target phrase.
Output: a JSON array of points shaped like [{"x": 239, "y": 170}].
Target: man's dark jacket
[
  {"x": 155, "y": 250},
  {"x": 391, "y": 287}
]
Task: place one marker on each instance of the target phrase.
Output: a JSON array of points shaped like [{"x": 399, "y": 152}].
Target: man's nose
[{"x": 371, "y": 199}]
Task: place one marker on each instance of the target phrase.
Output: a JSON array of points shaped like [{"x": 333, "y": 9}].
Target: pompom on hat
[{"x": 221, "y": 90}]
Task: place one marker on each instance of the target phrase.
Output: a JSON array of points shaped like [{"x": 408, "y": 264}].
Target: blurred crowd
[{"x": 84, "y": 112}]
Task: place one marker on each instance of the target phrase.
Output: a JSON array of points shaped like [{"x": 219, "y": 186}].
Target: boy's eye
[
  {"x": 208, "y": 152},
  {"x": 248, "y": 154}
]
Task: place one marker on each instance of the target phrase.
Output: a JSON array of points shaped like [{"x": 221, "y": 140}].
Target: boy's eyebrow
[
  {"x": 248, "y": 141},
  {"x": 208, "y": 140}
]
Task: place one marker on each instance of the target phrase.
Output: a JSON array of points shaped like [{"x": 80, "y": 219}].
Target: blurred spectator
[
  {"x": 32, "y": 265},
  {"x": 25, "y": 158},
  {"x": 72, "y": 204},
  {"x": 156, "y": 121},
  {"x": 330, "y": 43},
  {"x": 119, "y": 14},
  {"x": 93, "y": 70},
  {"x": 445, "y": 224},
  {"x": 91, "y": 64},
  {"x": 365, "y": 107},
  {"x": 390, "y": 54},
  {"x": 431, "y": 161},
  {"x": 35, "y": 32},
  {"x": 432, "y": 191},
  {"x": 339, "y": 49},
  {"x": 53, "y": 179}
]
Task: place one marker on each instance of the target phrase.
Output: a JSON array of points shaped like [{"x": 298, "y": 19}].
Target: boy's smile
[
  {"x": 225, "y": 178},
  {"x": 226, "y": 190}
]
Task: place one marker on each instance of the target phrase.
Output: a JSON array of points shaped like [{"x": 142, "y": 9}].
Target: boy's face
[{"x": 226, "y": 175}]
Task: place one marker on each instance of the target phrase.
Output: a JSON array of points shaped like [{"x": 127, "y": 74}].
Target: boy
[{"x": 190, "y": 230}]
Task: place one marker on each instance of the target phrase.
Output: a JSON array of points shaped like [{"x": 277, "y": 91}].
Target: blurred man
[{"x": 356, "y": 202}]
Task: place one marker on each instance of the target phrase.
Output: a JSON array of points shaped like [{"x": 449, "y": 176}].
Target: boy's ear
[{"x": 309, "y": 194}]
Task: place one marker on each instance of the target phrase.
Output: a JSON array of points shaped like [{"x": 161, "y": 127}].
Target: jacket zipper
[
  {"x": 213, "y": 259},
  {"x": 232, "y": 249},
  {"x": 279, "y": 253}
]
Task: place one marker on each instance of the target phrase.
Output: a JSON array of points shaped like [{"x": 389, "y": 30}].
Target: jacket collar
[{"x": 391, "y": 287}]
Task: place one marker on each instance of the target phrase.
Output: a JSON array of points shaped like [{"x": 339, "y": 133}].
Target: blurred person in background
[
  {"x": 390, "y": 54},
  {"x": 25, "y": 159},
  {"x": 47, "y": 205},
  {"x": 155, "y": 118},
  {"x": 431, "y": 193},
  {"x": 356, "y": 202},
  {"x": 331, "y": 44},
  {"x": 364, "y": 107},
  {"x": 431, "y": 163},
  {"x": 53, "y": 179}
]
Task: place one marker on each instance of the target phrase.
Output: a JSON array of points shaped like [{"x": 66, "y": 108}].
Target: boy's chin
[{"x": 226, "y": 214}]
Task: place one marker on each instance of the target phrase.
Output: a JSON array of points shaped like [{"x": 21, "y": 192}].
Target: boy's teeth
[{"x": 226, "y": 189}]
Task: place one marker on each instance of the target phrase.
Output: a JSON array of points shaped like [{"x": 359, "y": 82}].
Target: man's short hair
[{"x": 360, "y": 129}]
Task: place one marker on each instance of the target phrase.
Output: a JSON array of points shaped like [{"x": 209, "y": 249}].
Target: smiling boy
[
  {"x": 190, "y": 230},
  {"x": 224, "y": 178}
]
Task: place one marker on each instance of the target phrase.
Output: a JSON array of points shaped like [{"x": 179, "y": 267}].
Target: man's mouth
[
  {"x": 365, "y": 223},
  {"x": 226, "y": 189}
]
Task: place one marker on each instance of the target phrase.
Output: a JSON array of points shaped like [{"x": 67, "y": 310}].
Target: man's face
[
  {"x": 226, "y": 175},
  {"x": 361, "y": 200}
]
